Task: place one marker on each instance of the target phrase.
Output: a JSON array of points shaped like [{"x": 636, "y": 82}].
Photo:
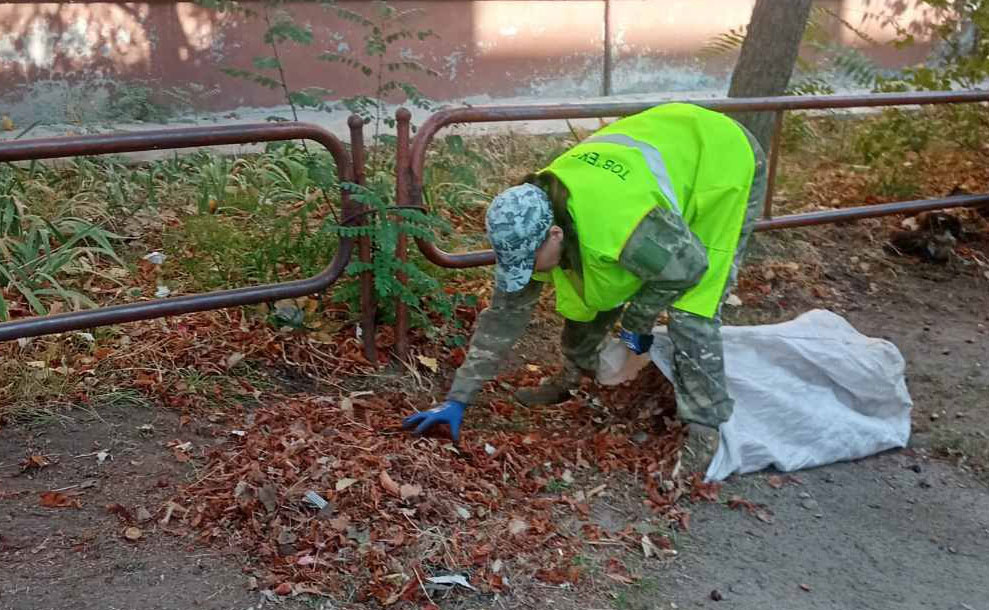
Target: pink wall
[{"x": 53, "y": 56}]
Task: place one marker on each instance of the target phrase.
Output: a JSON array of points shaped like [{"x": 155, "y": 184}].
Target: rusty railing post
[
  {"x": 368, "y": 303},
  {"x": 774, "y": 154},
  {"x": 402, "y": 174}
]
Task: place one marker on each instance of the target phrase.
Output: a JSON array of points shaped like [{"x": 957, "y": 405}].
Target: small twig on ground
[
  {"x": 360, "y": 425},
  {"x": 212, "y": 471},
  {"x": 84, "y": 485},
  {"x": 217, "y": 592},
  {"x": 423, "y": 587}
]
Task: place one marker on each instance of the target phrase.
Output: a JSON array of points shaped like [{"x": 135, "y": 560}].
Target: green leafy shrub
[
  {"x": 422, "y": 293},
  {"x": 40, "y": 255},
  {"x": 259, "y": 218},
  {"x": 453, "y": 175},
  {"x": 892, "y": 135}
]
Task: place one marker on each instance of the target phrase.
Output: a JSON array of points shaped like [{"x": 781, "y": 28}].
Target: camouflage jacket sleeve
[
  {"x": 498, "y": 328},
  {"x": 668, "y": 258}
]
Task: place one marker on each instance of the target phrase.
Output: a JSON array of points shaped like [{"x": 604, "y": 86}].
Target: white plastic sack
[{"x": 808, "y": 392}]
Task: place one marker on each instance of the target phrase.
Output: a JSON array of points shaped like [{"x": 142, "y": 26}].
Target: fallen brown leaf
[
  {"x": 763, "y": 516},
  {"x": 557, "y": 576},
  {"x": 737, "y": 502},
  {"x": 343, "y": 484},
  {"x": 120, "y": 511},
  {"x": 616, "y": 571},
  {"x": 760, "y": 512},
  {"x": 409, "y": 491},
  {"x": 133, "y": 534},
  {"x": 648, "y": 548},
  {"x": 170, "y": 508},
  {"x": 495, "y": 581},
  {"x": 776, "y": 481},
  {"x": 234, "y": 359},
  {"x": 704, "y": 491},
  {"x": 317, "y": 443},
  {"x": 429, "y": 363},
  {"x": 54, "y": 499},
  {"x": 625, "y": 580},
  {"x": 268, "y": 494},
  {"x": 34, "y": 462},
  {"x": 517, "y": 526},
  {"x": 390, "y": 485}
]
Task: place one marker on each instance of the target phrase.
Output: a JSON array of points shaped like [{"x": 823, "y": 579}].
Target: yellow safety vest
[{"x": 678, "y": 157}]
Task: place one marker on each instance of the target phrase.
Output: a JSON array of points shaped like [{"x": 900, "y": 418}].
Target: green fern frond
[
  {"x": 855, "y": 65},
  {"x": 724, "y": 43},
  {"x": 824, "y": 11},
  {"x": 810, "y": 86}
]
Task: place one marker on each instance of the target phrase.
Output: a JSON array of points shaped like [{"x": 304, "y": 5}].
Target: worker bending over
[{"x": 649, "y": 214}]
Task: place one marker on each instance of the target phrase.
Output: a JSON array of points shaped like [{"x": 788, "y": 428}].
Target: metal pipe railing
[
  {"x": 413, "y": 161},
  {"x": 808, "y": 219},
  {"x": 51, "y": 148},
  {"x": 403, "y": 128},
  {"x": 369, "y": 306},
  {"x": 410, "y": 162}
]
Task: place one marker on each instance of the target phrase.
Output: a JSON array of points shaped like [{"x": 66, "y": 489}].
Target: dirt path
[
  {"x": 78, "y": 557},
  {"x": 871, "y": 534}
]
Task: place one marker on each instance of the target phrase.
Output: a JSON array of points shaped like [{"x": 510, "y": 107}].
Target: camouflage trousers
[{"x": 698, "y": 356}]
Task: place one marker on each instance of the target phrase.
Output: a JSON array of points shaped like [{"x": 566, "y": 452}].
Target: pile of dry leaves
[
  {"x": 513, "y": 502},
  {"x": 400, "y": 510}
]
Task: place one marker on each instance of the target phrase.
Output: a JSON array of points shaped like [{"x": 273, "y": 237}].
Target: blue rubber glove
[
  {"x": 639, "y": 344},
  {"x": 450, "y": 412}
]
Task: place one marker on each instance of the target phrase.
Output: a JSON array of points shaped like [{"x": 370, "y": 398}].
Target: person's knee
[{"x": 694, "y": 328}]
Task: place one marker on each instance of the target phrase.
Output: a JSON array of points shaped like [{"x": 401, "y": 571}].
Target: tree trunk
[{"x": 768, "y": 55}]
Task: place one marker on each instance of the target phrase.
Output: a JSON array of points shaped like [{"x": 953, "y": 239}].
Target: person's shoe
[
  {"x": 702, "y": 444},
  {"x": 550, "y": 392},
  {"x": 553, "y": 390}
]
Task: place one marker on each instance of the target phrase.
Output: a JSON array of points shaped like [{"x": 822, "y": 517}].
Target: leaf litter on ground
[{"x": 406, "y": 509}]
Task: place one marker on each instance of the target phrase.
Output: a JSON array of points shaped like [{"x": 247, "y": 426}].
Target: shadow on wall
[
  {"x": 79, "y": 62},
  {"x": 87, "y": 61}
]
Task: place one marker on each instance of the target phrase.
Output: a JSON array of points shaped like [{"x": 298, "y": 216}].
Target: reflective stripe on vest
[{"x": 653, "y": 158}]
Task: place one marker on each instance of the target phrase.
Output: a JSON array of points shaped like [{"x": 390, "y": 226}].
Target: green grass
[
  {"x": 122, "y": 399},
  {"x": 639, "y": 596},
  {"x": 42, "y": 409},
  {"x": 36, "y": 416},
  {"x": 555, "y": 486}
]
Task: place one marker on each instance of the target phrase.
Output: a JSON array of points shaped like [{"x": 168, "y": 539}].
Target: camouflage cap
[{"x": 517, "y": 221}]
